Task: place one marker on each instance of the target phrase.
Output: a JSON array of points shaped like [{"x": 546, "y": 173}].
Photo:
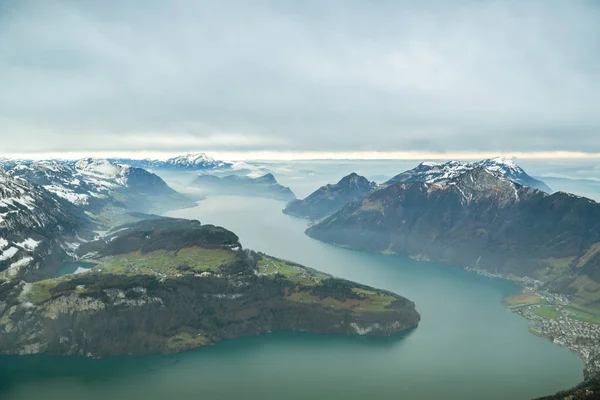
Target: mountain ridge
[
  {"x": 431, "y": 172},
  {"x": 263, "y": 186},
  {"x": 331, "y": 197},
  {"x": 185, "y": 162},
  {"x": 481, "y": 219},
  {"x": 103, "y": 187}
]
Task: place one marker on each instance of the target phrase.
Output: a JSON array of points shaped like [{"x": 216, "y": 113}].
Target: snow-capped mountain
[
  {"x": 187, "y": 162},
  {"x": 478, "y": 218},
  {"x": 98, "y": 184},
  {"x": 37, "y": 229},
  {"x": 430, "y": 172}
]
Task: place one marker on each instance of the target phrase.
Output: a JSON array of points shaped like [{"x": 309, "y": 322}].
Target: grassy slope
[
  {"x": 197, "y": 260},
  {"x": 547, "y": 312}
]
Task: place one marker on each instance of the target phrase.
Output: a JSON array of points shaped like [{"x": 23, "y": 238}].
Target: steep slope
[
  {"x": 480, "y": 218},
  {"x": 165, "y": 285},
  {"x": 37, "y": 229},
  {"x": 264, "y": 186},
  {"x": 431, "y": 172},
  {"x": 330, "y": 198},
  {"x": 103, "y": 188},
  {"x": 187, "y": 162}
]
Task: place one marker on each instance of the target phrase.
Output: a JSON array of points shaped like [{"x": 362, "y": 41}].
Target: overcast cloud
[{"x": 299, "y": 75}]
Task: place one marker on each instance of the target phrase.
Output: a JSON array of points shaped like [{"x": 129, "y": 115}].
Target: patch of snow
[
  {"x": 28, "y": 244},
  {"x": 16, "y": 266},
  {"x": 8, "y": 253}
]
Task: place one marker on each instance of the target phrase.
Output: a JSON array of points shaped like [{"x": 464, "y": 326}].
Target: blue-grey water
[
  {"x": 73, "y": 268},
  {"x": 467, "y": 345}
]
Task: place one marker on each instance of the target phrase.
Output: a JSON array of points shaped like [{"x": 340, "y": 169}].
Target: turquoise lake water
[{"x": 467, "y": 346}]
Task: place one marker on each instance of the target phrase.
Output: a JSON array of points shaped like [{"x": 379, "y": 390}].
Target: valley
[{"x": 132, "y": 271}]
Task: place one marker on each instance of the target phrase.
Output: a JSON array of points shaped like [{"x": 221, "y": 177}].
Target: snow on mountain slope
[
  {"x": 35, "y": 226},
  {"x": 430, "y": 172},
  {"x": 96, "y": 184},
  {"x": 186, "y": 162}
]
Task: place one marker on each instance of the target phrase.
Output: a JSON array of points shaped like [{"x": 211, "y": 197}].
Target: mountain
[
  {"x": 480, "y": 218},
  {"x": 37, "y": 229},
  {"x": 264, "y": 186},
  {"x": 580, "y": 186},
  {"x": 166, "y": 285},
  {"x": 431, "y": 172},
  {"x": 187, "y": 162},
  {"x": 330, "y": 198},
  {"x": 103, "y": 188}
]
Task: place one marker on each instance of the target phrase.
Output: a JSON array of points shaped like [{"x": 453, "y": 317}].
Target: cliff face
[
  {"x": 481, "y": 219},
  {"x": 161, "y": 297},
  {"x": 330, "y": 198}
]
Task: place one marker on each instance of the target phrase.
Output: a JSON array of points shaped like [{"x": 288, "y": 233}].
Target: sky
[{"x": 300, "y": 77}]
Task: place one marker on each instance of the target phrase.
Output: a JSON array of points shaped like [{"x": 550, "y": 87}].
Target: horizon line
[{"x": 314, "y": 155}]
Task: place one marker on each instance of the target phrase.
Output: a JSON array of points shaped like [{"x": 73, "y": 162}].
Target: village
[{"x": 555, "y": 318}]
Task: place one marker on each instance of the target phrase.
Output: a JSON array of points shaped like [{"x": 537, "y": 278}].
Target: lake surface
[
  {"x": 466, "y": 346},
  {"x": 74, "y": 268}
]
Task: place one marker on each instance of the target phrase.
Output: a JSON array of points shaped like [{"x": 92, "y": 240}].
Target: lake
[{"x": 467, "y": 345}]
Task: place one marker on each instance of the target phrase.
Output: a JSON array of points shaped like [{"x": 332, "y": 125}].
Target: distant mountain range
[
  {"x": 48, "y": 208},
  {"x": 98, "y": 186},
  {"x": 330, "y": 198},
  {"x": 581, "y": 186},
  {"x": 478, "y": 217},
  {"x": 264, "y": 186},
  {"x": 187, "y": 162}
]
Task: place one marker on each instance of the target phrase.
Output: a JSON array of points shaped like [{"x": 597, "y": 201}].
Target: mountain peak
[
  {"x": 502, "y": 160},
  {"x": 429, "y": 164},
  {"x": 330, "y": 198},
  {"x": 184, "y": 162},
  {"x": 431, "y": 172},
  {"x": 355, "y": 180},
  {"x": 100, "y": 166},
  {"x": 267, "y": 178},
  {"x": 192, "y": 158}
]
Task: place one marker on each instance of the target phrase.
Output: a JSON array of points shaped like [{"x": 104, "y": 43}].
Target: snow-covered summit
[
  {"x": 100, "y": 167},
  {"x": 191, "y": 159},
  {"x": 186, "y": 162},
  {"x": 430, "y": 172}
]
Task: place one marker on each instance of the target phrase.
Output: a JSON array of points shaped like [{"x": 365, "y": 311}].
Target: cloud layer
[{"x": 299, "y": 76}]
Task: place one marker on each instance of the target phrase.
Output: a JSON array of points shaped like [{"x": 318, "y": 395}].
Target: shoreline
[{"x": 554, "y": 317}]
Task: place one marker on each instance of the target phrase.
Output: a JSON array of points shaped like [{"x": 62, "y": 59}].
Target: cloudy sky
[{"x": 299, "y": 76}]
